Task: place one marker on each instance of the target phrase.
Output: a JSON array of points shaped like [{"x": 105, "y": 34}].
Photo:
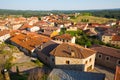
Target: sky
[{"x": 59, "y": 4}]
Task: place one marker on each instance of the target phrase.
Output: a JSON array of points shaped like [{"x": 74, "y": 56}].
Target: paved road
[{"x": 109, "y": 73}]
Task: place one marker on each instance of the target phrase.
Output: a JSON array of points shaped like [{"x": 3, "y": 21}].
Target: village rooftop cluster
[{"x": 46, "y": 39}]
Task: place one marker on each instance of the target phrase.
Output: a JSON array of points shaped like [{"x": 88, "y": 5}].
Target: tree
[
  {"x": 88, "y": 44},
  {"x": 63, "y": 30}
]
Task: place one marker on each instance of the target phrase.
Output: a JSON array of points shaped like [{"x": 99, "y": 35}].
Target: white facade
[
  {"x": 72, "y": 29},
  {"x": 34, "y": 29},
  {"x": 106, "y": 39},
  {"x": 15, "y": 27},
  {"x": 4, "y": 37},
  {"x": 72, "y": 40}
]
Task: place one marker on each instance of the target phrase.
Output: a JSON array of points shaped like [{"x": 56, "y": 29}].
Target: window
[
  {"x": 86, "y": 62},
  {"x": 90, "y": 60},
  {"x": 107, "y": 58},
  {"x": 67, "y": 62},
  {"x": 99, "y": 56},
  {"x": 67, "y": 40},
  {"x": 118, "y": 62}
]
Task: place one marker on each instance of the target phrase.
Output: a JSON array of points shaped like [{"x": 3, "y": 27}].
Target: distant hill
[
  {"x": 92, "y": 19},
  {"x": 107, "y": 13}
]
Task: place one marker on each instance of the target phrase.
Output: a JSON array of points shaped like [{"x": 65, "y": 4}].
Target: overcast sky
[{"x": 59, "y": 4}]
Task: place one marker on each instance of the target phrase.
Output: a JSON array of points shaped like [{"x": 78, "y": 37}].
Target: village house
[
  {"x": 112, "y": 39},
  {"x": 91, "y": 28},
  {"x": 67, "y": 23},
  {"x": 114, "y": 31},
  {"x": 51, "y": 24},
  {"x": 19, "y": 20},
  {"x": 41, "y": 23},
  {"x": 49, "y": 31},
  {"x": 64, "y": 38},
  {"x": 101, "y": 30},
  {"x": 43, "y": 51},
  {"x": 25, "y": 26},
  {"x": 72, "y": 56},
  {"x": 33, "y": 28},
  {"x": 90, "y": 33},
  {"x": 60, "y": 23},
  {"x": 15, "y": 26},
  {"x": 4, "y": 35},
  {"x": 107, "y": 56},
  {"x": 28, "y": 42},
  {"x": 106, "y": 38},
  {"x": 118, "y": 22},
  {"x": 81, "y": 26},
  {"x": 111, "y": 23},
  {"x": 3, "y": 25},
  {"x": 32, "y": 20},
  {"x": 115, "y": 40},
  {"x": 72, "y": 28}
]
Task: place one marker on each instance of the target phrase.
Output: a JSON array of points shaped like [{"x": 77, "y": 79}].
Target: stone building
[
  {"x": 65, "y": 38},
  {"x": 107, "y": 56},
  {"x": 72, "y": 56}
]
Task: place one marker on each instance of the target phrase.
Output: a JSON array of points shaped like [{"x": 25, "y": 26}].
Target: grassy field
[{"x": 92, "y": 19}]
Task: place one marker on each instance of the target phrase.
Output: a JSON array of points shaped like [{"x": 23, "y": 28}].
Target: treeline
[
  {"x": 25, "y": 13},
  {"x": 107, "y": 13},
  {"x": 110, "y": 13}
]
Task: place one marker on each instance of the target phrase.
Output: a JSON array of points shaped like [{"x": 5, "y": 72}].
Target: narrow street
[{"x": 108, "y": 72}]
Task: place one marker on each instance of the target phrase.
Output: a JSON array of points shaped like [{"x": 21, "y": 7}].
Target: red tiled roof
[
  {"x": 26, "y": 26},
  {"x": 107, "y": 51},
  {"x": 64, "y": 36},
  {"x": 116, "y": 38},
  {"x": 4, "y": 32},
  {"x": 41, "y": 23},
  {"x": 29, "y": 40},
  {"x": 65, "y": 49}
]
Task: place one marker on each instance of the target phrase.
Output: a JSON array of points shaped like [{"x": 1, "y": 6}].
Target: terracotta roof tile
[
  {"x": 29, "y": 40},
  {"x": 4, "y": 32},
  {"x": 26, "y": 26},
  {"x": 64, "y": 36},
  {"x": 107, "y": 51},
  {"x": 65, "y": 49},
  {"x": 116, "y": 38}
]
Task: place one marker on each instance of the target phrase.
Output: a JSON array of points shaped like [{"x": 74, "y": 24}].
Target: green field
[{"x": 92, "y": 19}]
